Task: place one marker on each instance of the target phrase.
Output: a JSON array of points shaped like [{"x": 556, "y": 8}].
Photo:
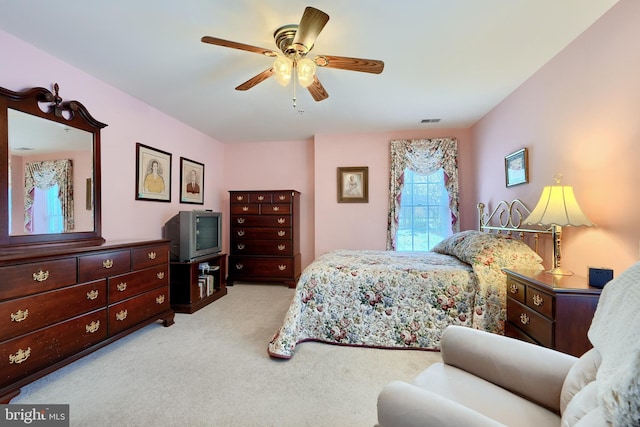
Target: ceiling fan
[{"x": 295, "y": 42}]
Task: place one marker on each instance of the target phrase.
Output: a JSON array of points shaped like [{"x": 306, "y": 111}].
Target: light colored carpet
[{"x": 211, "y": 368}]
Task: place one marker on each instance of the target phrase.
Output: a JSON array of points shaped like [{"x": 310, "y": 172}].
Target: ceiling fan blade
[
  {"x": 354, "y": 64},
  {"x": 311, "y": 23},
  {"x": 235, "y": 45},
  {"x": 256, "y": 79},
  {"x": 316, "y": 90}
]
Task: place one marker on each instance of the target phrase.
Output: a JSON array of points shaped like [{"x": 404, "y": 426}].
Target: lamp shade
[
  {"x": 558, "y": 206},
  {"x": 282, "y": 68},
  {"x": 306, "y": 71}
]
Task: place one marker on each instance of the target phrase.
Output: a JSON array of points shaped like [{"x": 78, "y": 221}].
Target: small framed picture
[
  {"x": 191, "y": 181},
  {"x": 516, "y": 168},
  {"x": 353, "y": 184},
  {"x": 153, "y": 174}
]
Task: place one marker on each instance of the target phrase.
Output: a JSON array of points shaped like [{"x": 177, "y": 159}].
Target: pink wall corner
[
  {"x": 285, "y": 165},
  {"x": 364, "y": 225},
  {"x": 578, "y": 116},
  {"x": 129, "y": 121}
]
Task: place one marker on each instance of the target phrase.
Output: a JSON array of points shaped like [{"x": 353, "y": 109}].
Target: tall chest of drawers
[
  {"x": 265, "y": 236},
  {"x": 56, "y": 307}
]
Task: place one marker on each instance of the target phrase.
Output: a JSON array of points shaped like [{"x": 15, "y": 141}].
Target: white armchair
[{"x": 491, "y": 380}]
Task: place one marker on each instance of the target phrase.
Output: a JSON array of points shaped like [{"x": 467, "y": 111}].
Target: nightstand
[{"x": 552, "y": 311}]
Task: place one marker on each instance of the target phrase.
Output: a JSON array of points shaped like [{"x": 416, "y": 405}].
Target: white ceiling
[{"x": 452, "y": 60}]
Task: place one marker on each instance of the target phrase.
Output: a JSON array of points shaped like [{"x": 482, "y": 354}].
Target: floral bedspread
[{"x": 402, "y": 299}]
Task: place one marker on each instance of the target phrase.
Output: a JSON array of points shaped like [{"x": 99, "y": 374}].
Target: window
[
  {"x": 425, "y": 217},
  {"x": 47, "y": 211}
]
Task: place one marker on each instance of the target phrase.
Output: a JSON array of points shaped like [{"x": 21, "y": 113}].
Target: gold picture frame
[
  {"x": 353, "y": 184},
  {"x": 516, "y": 168}
]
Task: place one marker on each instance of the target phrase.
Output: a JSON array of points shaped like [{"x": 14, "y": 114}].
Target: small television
[{"x": 194, "y": 234}]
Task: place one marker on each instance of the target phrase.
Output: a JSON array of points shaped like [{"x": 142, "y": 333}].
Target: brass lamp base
[{"x": 560, "y": 272}]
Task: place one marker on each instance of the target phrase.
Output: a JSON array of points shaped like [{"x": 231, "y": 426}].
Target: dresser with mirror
[{"x": 65, "y": 291}]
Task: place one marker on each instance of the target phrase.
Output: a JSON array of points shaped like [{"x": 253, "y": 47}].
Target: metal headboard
[{"x": 507, "y": 217}]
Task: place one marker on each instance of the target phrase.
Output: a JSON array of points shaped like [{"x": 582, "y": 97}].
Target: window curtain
[
  {"x": 424, "y": 156},
  {"x": 45, "y": 175}
]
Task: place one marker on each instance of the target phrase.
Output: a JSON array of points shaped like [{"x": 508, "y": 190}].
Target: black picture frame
[
  {"x": 191, "y": 182},
  {"x": 153, "y": 174}
]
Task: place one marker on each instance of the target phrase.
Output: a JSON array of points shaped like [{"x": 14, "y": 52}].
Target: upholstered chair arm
[
  {"x": 405, "y": 405},
  {"x": 534, "y": 372}
]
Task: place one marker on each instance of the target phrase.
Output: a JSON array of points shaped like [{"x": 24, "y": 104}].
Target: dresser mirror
[{"x": 50, "y": 180}]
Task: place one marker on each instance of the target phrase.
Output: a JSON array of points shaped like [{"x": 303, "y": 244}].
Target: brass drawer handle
[
  {"x": 240, "y": 220},
  {"x": 20, "y": 356},
  {"x": 160, "y": 275},
  {"x": 93, "y": 294},
  {"x": 276, "y": 208},
  {"x": 239, "y": 198},
  {"x": 281, "y": 220},
  {"x": 20, "y": 315},
  {"x": 93, "y": 326},
  {"x": 282, "y": 247},
  {"x": 152, "y": 255},
  {"x": 524, "y": 319},
  {"x": 513, "y": 288},
  {"x": 239, "y": 266},
  {"x": 240, "y": 233},
  {"x": 245, "y": 208},
  {"x": 122, "y": 286},
  {"x": 282, "y": 197},
  {"x": 282, "y": 267},
  {"x": 160, "y": 299},
  {"x": 261, "y": 198},
  {"x": 538, "y": 301},
  {"x": 41, "y": 276},
  {"x": 281, "y": 233},
  {"x": 108, "y": 263},
  {"x": 121, "y": 315},
  {"x": 240, "y": 246}
]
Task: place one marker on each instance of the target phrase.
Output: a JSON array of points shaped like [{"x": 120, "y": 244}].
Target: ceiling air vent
[{"x": 429, "y": 120}]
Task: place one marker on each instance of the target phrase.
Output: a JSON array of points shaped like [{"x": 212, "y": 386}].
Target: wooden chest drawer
[
  {"x": 530, "y": 322},
  {"x": 245, "y": 209},
  {"x": 277, "y": 267},
  {"x": 128, "y": 313},
  {"x": 131, "y": 284},
  {"x": 260, "y": 198},
  {"x": 239, "y": 198},
  {"x": 278, "y": 233},
  {"x": 22, "y": 315},
  {"x": 103, "y": 264},
  {"x": 149, "y": 256},
  {"x": 540, "y": 302},
  {"x": 262, "y": 247},
  {"x": 261, "y": 220},
  {"x": 29, "y": 353},
  {"x": 273, "y": 209},
  {"x": 27, "y": 279},
  {"x": 516, "y": 290}
]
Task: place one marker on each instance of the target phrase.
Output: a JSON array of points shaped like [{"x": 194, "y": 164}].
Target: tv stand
[{"x": 187, "y": 294}]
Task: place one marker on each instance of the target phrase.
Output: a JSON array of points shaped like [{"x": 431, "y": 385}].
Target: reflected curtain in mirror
[{"x": 45, "y": 176}]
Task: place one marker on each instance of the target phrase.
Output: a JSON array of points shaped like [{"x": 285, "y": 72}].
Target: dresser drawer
[
  {"x": 128, "y": 313},
  {"x": 26, "y": 279},
  {"x": 22, "y": 315},
  {"x": 540, "y": 302},
  {"x": 276, "y": 233},
  {"x": 28, "y": 353},
  {"x": 261, "y": 247},
  {"x": 245, "y": 209},
  {"x": 103, "y": 264},
  {"x": 260, "y": 267},
  {"x": 530, "y": 322},
  {"x": 149, "y": 256},
  {"x": 131, "y": 284},
  {"x": 260, "y": 198},
  {"x": 516, "y": 290},
  {"x": 261, "y": 220},
  {"x": 273, "y": 209},
  {"x": 239, "y": 198}
]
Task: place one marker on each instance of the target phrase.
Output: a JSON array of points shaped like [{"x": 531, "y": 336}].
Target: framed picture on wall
[
  {"x": 191, "y": 182},
  {"x": 516, "y": 168},
  {"x": 153, "y": 174},
  {"x": 353, "y": 184}
]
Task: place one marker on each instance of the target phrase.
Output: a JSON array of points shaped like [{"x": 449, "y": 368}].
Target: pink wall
[
  {"x": 129, "y": 121},
  {"x": 274, "y": 166},
  {"x": 364, "y": 225},
  {"x": 578, "y": 115}
]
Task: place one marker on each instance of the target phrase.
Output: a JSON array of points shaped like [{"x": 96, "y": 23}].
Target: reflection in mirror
[{"x": 50, "y": 165}]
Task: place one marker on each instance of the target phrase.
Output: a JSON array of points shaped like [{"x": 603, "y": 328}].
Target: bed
[{"x": 388, "y": 299}]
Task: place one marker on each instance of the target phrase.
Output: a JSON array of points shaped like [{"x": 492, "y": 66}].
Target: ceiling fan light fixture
[
  {"x": 306, "y": 71},
  {"x": 282, "y": 68}
]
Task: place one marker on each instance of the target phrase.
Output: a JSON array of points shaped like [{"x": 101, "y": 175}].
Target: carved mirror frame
[{"x": 41, "y": 102}]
